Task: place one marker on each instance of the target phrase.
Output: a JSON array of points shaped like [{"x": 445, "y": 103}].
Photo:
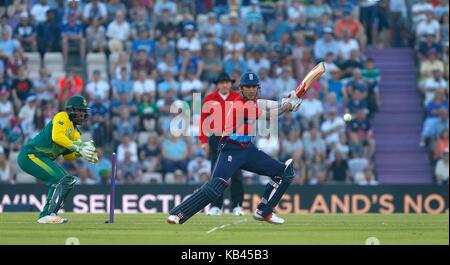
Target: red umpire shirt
[{"x": 215, "y": 98}]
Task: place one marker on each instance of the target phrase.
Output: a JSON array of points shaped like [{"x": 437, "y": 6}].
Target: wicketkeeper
[
  {"x": 238, "y": 152},
  {"x": 60, "y": 136}
]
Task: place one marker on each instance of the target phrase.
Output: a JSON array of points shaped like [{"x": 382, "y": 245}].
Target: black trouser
[{"x": 236, "y": 187}]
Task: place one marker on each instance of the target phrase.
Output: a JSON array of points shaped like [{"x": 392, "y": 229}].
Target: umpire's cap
[{"x": 224, "y": 77}]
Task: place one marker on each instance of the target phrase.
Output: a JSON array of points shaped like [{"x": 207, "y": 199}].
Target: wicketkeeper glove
[{"x": 86, "y": 150}]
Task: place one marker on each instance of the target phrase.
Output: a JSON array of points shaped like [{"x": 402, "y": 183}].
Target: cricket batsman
[
  {"x": 60, "y": 136},
  {"x": 236, "y": 151}
]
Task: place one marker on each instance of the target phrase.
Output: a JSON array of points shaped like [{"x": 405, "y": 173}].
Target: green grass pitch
[{"x": 21, "y": 228}]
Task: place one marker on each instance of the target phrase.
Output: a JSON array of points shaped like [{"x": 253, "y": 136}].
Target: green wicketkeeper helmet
[{"x": 77, "y": 109}]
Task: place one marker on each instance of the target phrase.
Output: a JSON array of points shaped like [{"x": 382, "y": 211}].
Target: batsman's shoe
[
  {"x": 214, "y": 211},
  {"x": 239, "y": 211},
  {"x": 173, "y": 220},
  {"x": 271, "y": 218},
  {"x": 52, "y": 219}
]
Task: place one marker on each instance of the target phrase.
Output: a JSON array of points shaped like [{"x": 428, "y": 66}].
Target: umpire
[{"x": 209, "y": 144}]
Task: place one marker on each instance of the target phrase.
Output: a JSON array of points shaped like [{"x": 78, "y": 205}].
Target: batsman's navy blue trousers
[{"x": 233, "y": 157}]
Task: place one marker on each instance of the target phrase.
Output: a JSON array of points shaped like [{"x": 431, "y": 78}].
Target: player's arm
[
  {"x": 269, "y": 108},
  {"x": 61, "y": 124}
]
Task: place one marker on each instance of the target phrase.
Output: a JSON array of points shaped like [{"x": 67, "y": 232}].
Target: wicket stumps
[{"x": 112, "y": 194}]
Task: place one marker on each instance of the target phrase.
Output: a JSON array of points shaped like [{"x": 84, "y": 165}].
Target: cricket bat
[{"x": 309, "y": 79}]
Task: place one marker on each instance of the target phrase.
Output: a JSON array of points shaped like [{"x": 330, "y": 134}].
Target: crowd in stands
[
  {"x": 430, "y": 25},
  {"x": 160, "y": 52}
]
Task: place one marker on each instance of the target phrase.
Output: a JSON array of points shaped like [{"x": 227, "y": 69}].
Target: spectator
[
  {"x": 292, "y": 146},
  {"x": 276, "y": 28},
  {"x": 419, "y": 10},
  {"x": 25, "y": 33},
  {"x": 325, "y": 45},
  {"x": 97, "y": 87},
  {"x": 13, "y": 12},
  {"x": 428, "y": 26},
  {"x": 143, "y": 42},
  {"x": 371, "y": 76},
  {"x": 284, "y": 83},
  {"x": 95, "y": 37},
  {"x": 168, "y": 83},
  {"x": 122, "y": 85},
  {"x": 352, "y": 66},
  {"x": 427, "y": 45},
  {"x": 198, "y": 169},
  {"x": 211, "y": 26},
  {"x": 345, "y": 46},
  {"x": 142, "y": 63},
  {"x": 101, "y": 170},
  {"x": 340, "y": 7},
  {"x": 39, "y": 11},
  {"x": 256, "y": 40},
  {"x": 69, "y": 85},
  {"x": 235, "y": 63},
  {"x": 95, "y": 9},
  {"x": 317, "y": 171},
  {"x": 357, "y": 100},
  {"x": 175, "y": 151},
  {"x": 234, "y": 25},
  {"x": 15, "y": 62},
  {"x": 316, "y": 10},
  {"x": 113, "y": 7},
  {"x": 191, "y": 84},
  {"x": 332, "y": 127},
  {"x": 165, "y": 27},
  {"x": 282, "y": 49},
  {"x": 49, "y": 34},
  {"x": 296, "y": 10},
  {"x": 313, "y": 143},
  {"x": 72, "y": 34},
  {"x": 312, "y": 110},
  {"x": 336, "y": 86},
  {"x": 365, "y": 178},
  {"x": 441, "y": 170},
  {"x": 213, "y": 65},
  {"x": 331, "y": 102},
  {"x": 234, "y": 44},
  {"x": 148, "y": 114},
  {"x": 266, "y": 84},
  {"x": 269, "y": 145},
  {"x": 150, "y": 154},
  {"x": 5, "y": 170},
  {"x": 441, "y": 144},
  {"x": 118, "y": 33},
  {"x": 257, "y": 61},
  {"x": 26, "y": 115},
  {"x": 128, "y": 169},
  {"x": 99, "y": 117},
  {"x": 353, "y": 28},
  {"x": 45, "y": 86},
  {"x": 6, "y": 109},
  {"x": 7, "y": 45},
  {"x": 143, "y": 84},
  {"x": 189, "y": 42},
  {"x": 127, "y": 145},
  {"x": 432, "y": 84},
  {"x": 123, "y": 102},
  {"x": 253, "y": 17},
  {"x": 123, "y": 62},
  {"x": 21, "y": 87},
  {"x": 338, "y": 171},
  {"x": 166, "y": 5},
  {"x": 431, "y": 63},
  {"x": 432, "y": 115},
  {"x": 163, "y": 47}
]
